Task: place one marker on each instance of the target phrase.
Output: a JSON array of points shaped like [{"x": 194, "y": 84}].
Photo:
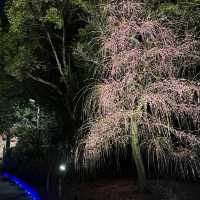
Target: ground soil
[
  {"x": 119, "y": 189},
  {"x": 124, "y": 189},
  {"x": 127, "y": 189}
]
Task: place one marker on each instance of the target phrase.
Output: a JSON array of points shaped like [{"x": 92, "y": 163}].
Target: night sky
[{"x": 1, "y": 5}]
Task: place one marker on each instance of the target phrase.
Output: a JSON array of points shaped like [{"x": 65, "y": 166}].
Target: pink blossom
[{"x": 140, "y": 68}]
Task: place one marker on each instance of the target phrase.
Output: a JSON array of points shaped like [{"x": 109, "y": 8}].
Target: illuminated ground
[{"x": 9, "y": 191}]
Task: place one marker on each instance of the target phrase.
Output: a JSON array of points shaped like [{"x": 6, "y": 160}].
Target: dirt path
[{"x": 9, "y": 191}]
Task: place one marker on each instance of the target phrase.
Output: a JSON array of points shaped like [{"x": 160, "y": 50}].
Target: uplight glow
[{"x": 62, "y": 167}]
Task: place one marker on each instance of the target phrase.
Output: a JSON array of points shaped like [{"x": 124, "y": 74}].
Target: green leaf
[{"x": 53, "y": 16}]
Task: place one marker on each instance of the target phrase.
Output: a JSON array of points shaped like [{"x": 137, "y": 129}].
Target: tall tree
[
  {"x": 36, "y": 50},
  {"x": 147, "y": 96}
]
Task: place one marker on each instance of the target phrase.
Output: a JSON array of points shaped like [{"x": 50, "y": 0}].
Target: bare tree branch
[
  {"x": 64, "y": 51},
  {"x": 46, "y": 83},
  {"x": 56, "y": 57}
]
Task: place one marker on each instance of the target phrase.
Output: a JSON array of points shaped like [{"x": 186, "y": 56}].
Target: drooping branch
[{"x": 143, "y": 60}]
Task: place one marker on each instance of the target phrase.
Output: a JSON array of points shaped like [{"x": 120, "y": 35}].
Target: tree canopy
[{"x": 105, "y": 76}]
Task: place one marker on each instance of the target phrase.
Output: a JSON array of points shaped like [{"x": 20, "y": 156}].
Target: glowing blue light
[{"x": 28, "y": 190}]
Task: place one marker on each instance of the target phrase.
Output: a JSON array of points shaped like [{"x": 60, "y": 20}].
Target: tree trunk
[
  {"x": 47, "y": 181},
  {"x": 137, "y": 154},
  {"x": 8, "y": 136}
]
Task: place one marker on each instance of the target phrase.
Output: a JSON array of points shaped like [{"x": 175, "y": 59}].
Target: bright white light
[
  {"x": 32, "y": 100},
  {"x": 62, "y": 167}
]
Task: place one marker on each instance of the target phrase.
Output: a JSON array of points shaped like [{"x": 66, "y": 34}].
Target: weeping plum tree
[{"x": 147, "y": 96}]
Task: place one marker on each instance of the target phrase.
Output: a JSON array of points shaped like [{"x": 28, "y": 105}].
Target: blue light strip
[{"x": 27, "y": 189}]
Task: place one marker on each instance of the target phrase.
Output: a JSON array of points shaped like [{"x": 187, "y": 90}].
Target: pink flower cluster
[{"x": 144, "y": 63}]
